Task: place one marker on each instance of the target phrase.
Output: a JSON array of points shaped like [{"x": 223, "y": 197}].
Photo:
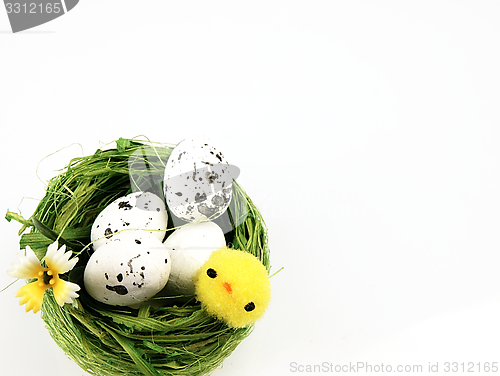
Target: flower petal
[
  {"x": 64, "y": 291},
  {"x": 31, "y": 295},
  {"x": 58, "y": 259},
  {"x": 29, "y": 266},
  {"x": 52, "y": 255}
]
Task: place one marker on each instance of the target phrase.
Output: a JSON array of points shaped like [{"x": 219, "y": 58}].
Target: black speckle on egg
[
  {"x": 108, "y": 233},
  {"x": 119, "y": 289},
  {"x": 143, "y": 268},
  {"x": 119, "y": 277},
  {"x": 200, "y": 197},
  {"x": 250, "y": 307},
  {"x": 217, "y": 200},
  {"x": 166, "y": 261},
  {"x": 125, "y": 205},
  {"x": 178, "y": 193},
  {"x": 137, "y": 241},
  {"x": 206, "y": 210},
  {"x": 106, "y": 275}
]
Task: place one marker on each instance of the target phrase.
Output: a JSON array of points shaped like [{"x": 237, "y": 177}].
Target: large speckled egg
[
  {"x": 190, "y": 246},
  {"x": 130, "y": 268},
  {"x": 198, "y": 180},
  {"x": 139, "y": 210}
]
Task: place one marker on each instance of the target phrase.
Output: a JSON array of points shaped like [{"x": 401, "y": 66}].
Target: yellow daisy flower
[{"x": 58, "y": 262}]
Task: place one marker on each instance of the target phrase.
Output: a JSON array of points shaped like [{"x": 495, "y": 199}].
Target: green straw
[{"x": 106, "y": 340}]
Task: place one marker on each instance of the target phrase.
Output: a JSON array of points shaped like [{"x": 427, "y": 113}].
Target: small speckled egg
[
  {"x": 139, "y": 210},
  {"x": 190, "y": 246},
  {"x": 128, "y": 269},
  {"x": 198, "y": 180}
]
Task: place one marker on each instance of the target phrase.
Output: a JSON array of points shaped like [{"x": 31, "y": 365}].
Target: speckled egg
[
  {"x": 139, "y": 210},
  {"x": 128, "y": 269},
  {"x": 190, "y": 246},
  {"x": 198, "y": 180}
]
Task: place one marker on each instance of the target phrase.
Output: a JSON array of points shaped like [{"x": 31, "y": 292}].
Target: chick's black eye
[
  {"x": 250, "y": 307},
  {"x": 211, "y": 273}
]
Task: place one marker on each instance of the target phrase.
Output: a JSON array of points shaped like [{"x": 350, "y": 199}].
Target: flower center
[{"x": 46, "y": 278}]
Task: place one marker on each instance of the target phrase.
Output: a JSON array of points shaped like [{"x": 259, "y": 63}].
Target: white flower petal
[
  {"x": 51, "y": 249},
  {"x": 28, "y": 266},
  {"x": 58, "y": 260}
]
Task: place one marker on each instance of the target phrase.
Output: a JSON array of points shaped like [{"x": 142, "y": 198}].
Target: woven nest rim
[{"x": 105, "y": 340}]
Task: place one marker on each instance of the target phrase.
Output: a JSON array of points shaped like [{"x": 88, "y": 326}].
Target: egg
[
  {"x": 129, "y": 268},
  {"x": 139, "y": 210},
  {"x": 190, "y": 246},
  {"x": 198, "y": 180}
]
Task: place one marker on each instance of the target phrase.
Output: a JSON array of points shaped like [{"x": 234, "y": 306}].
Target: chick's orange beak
[{"x": 227, "y": 286}]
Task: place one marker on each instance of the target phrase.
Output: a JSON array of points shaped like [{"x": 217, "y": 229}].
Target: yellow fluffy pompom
[{"x": 233, "y": 286}]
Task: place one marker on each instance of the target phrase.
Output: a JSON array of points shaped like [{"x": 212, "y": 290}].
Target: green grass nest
[{"x": 107, "y": 340}]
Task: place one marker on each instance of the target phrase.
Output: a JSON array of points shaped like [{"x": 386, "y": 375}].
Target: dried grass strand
[{"x": 113, "y": 341}]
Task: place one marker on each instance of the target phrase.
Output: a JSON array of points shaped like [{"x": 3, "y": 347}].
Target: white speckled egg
[
  {"x": 129, "y": 268},
  {"x": 139, "y": 210},
  {"x": 190, "y": 247},
  {"x": 198, "y": 180}
]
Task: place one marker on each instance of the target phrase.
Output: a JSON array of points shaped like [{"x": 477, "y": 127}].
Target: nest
[{"x": 106, "y": 340}]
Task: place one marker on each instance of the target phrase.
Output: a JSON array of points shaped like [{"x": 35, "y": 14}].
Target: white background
[{"x": 367, "y": 133}]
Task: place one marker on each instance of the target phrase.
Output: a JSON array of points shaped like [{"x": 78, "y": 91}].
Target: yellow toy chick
[{"x": 233, "y": 286}]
